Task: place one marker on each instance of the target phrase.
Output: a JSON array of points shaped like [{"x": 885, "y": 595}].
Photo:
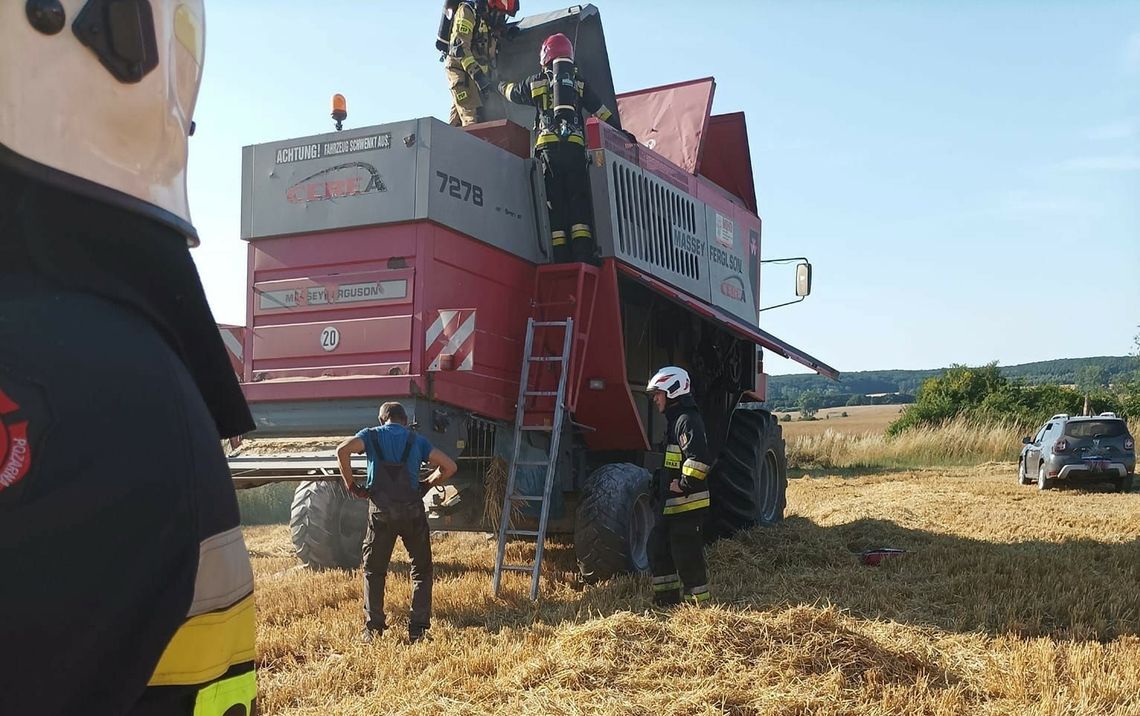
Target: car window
[
  {"x": 1041, "y": 433},
  {"x": 1095, "y": 428},
  {"x": 1045, "y": 432}
]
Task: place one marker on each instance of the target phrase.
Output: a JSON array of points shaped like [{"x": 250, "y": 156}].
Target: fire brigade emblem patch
[{"x": 15, "y": 448}]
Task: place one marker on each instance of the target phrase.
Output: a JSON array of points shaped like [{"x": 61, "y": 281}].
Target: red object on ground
[{"x": 873, "y": 557}]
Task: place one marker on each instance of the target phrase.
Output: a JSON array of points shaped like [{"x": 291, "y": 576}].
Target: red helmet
[
  {"x": 556, "y": 47},
  {"x": 508, "y": 6}
]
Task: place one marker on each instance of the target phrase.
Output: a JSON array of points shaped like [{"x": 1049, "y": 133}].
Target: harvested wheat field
[
  {"x": 860, "y": 419},
  {"x": 1009, "y": 601}
]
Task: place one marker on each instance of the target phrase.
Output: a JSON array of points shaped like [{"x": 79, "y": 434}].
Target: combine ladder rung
[
  {"x": 532, "y": 463},
  {"x": 518, "y": 567},
  {"x": 523, "y": 533},
  {"x": 549, "y": 324},
  {"x": 541, "y": 393},
  {"x": 545, "y": 359},
  {"x": 537, "y": 428},
  {"x": 525, "y": 498}
]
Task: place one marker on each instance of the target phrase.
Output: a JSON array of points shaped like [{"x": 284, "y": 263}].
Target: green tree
[
  {"x": 810, "y": 402},
  {"x": 1090, "y": 379}
]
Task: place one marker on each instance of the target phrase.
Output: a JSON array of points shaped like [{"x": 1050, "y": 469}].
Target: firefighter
[
  {"x": 476, "y": 27},
  {"x": 396, "y": 509},
  {"x": 677, "y": 555},
  {"x": 559, "y": 93},
  {"x": 127, "y": 585}
]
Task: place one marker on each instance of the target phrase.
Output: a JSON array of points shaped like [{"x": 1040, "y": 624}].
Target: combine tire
[
  {"x": 749, "y": 481},
  {"x": 327, "y": 525},
  {"x": 613, "y": 521}
]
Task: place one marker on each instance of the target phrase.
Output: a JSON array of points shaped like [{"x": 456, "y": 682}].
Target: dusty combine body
[{"x": 403, "y": 261}]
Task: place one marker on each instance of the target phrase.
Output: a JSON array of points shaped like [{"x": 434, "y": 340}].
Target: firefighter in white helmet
[
  {"x": 676, "y": 546},
  {"x": 127, "y": 586}
]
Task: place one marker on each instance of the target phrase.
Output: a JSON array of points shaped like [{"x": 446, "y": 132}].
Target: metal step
[
  {"x": 532, "y": 463},
  {"x": 523, "y": 533},
  {"x": 526, "y": 498},
  {"x": 550, "y": 324},
  {"x": 546, "y": 359},
  {"x": 541, "y": 393},
  {"x": 518, "y": 567},
  {"x": 536, "y": 428}
]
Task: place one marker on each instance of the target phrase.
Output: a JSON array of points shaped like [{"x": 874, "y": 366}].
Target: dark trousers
[
  {"x": 567, "y": 192},
  {"x": 383, "y": 529},
  {"x": 677, "y": 557}
]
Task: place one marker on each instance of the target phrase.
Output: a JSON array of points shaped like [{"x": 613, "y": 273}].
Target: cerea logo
[
  {"x": 733, "y": 287},
  {"x": 341, "y": 181}
]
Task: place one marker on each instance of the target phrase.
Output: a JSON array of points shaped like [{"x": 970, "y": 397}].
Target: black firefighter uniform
[
  {"x": 473, "y": 46},
  {"x": 676, "y": 545},
  {"x": 561, "y": 149}
]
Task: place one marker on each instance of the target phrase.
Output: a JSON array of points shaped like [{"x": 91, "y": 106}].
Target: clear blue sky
[{"x": 965, "y": 176}]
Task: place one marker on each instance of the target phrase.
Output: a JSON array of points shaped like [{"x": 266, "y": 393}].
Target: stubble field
[{"x": 1008, "y": 601}]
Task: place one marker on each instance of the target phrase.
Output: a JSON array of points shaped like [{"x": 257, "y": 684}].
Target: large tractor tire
[
  {"x": 749, "y": 481},
  {"x": 614, "y": 518},
  {"x": 327, "y": 525}
]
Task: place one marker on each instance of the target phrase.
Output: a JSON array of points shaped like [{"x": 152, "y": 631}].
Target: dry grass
[
  {"x": 860, "y": 419},
  {"x": 1009, "y": 601},
  {"x": 959, "y": 442}
]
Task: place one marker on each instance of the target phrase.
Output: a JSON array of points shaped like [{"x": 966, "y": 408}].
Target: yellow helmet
[{"x": 97, "y": 97}]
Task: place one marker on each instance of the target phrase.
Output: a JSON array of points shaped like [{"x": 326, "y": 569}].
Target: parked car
[{"x": 1079, "y": 449}]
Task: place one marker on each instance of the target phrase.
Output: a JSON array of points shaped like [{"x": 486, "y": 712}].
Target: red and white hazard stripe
[
  {"x": 232, "y": 337},
  {"x": 451, "y": 341}
]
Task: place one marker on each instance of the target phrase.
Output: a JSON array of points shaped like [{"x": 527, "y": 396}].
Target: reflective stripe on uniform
[
  {"x": 220, "y": 697},
  {"x": 686, "y": 503},
  {"x": 467, "y": 62},
  {"x": 698, "y": 594},
  {"x": 667, "y": 583},
  {"x": 558, "y": 238},
  {"x": 546, "y": 138},
  {"x": 577, "y": 138},
  {"x": 580, "y": 231},
  {"x": 224, "y": 574},
  {"x": 207, "y": 645},
  {"x": 508, "y": 89},
  {"x": 563, "y": 107},
  {"x": 695, "y": 468},
  {"x": 538, "y": 88},
  {"x": 603, "y": 113},
  {"x": 672, "y": 456},
  {"x": 464, "y": 27}
]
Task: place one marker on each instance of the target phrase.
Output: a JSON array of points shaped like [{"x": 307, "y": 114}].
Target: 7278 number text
[{"x": 459, "y": 189}]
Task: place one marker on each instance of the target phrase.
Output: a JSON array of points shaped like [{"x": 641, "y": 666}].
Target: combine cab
[{"x": 410, "y": 261}]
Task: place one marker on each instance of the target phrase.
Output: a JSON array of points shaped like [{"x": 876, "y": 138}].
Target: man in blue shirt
[{"x": 393, "y": 488}]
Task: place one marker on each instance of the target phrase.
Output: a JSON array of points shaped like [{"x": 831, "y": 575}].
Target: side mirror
[
  {"x": 803, "y": 279},
  {"x": 1026, "y": 441}
]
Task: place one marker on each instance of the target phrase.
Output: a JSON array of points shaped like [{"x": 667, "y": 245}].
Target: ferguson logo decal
[
  {"x": 15, "y": 451},
  {"x": 733, "y": 287},
  {"x": 343, "y": 180}
]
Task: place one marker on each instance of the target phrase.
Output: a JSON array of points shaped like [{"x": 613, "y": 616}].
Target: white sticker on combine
[
  {"x": 330, "y": 338},
  {"x": 725, "y": 231},
  {"x": 450, "y": 343}
]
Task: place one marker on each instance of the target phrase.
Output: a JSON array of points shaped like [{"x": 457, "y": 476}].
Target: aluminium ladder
[{"x": 561, "y": 363}]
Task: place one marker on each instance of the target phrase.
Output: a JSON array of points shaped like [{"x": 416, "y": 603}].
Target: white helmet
[
  {"x": 671, "y": 380},
  {"x": 96, "y": 97}
]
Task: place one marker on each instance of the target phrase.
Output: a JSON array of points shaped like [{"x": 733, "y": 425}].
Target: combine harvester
[{"x": 410, "y": 261}]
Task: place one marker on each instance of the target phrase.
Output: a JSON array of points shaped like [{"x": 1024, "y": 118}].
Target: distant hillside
[{"x": 786, "y": 390}]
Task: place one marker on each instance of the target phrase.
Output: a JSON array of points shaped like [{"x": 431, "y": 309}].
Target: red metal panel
[
  {"x": 356, "y": 339},
  {"x": 727, "y": 159},
  {"x": 505, "y": 134},
  {"x": 610, "y": 410},
  {"x": 670, "y": 120}
]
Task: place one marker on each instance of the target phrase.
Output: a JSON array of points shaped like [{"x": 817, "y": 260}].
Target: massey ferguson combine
[{"x": 410, "y": 261}]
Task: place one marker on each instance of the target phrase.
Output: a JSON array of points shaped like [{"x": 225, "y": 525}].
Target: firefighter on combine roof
[{"x": 469, "y": 35}]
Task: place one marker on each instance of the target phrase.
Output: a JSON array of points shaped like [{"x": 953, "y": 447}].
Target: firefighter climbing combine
[{"x": 411, "y": 261}]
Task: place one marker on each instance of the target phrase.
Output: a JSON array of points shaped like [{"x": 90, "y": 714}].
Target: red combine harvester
[{"x": 409, "y": 261}]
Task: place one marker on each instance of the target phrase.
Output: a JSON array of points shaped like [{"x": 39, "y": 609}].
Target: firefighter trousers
[
  {"x": 677, "y": 558},
  {"x": 379, "y": 540},
  {"x": 466, "y": 103},
  {"x": 568, "y": 197}
]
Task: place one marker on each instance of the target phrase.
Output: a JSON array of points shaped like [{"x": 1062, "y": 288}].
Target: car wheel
[
  {"x": 1022, "y": 474},
  {"x": 1042, "y": 481}
]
